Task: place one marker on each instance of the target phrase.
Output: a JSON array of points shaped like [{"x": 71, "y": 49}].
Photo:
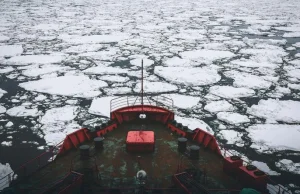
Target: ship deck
[{"x": 114, "y": 167}]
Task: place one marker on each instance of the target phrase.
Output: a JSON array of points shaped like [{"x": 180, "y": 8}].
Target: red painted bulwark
[
  {"x": 73, "y": 140},
  {"x": 230, "y": 166},
  {"x": 207, "y": 139},
  {"x": 106, "y": 129},
  {"x": 249, "y": 179},
  {"x": 176, "y": 130},
  {"x": 132, "y": 112}
]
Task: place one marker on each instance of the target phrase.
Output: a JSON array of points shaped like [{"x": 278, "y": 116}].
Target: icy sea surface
[{"x": 234, "y": 65}]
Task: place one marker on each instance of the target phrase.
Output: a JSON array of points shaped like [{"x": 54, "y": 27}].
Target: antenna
[{"x": 142, "y": 91}]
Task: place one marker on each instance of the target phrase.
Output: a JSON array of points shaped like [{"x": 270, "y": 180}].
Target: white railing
[{"x": 126, "y": 101}]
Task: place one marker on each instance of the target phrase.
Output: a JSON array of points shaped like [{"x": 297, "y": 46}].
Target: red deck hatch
[{"x": 140, "y": 141}]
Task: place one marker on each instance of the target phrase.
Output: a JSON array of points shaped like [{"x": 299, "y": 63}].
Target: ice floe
[
  {"x": 114, "y": 78},
  {"x": 193, "y": 123},
  {"x": 271, "y": 54},
  {"x": 23, "y": 111},
  {"x": 94, "y": 38},
  {"x": 41, "y": 70},
  {"x": 183, "y": 101},
  {"x": 206, "y": 56},
  {"x": 2, "y": 92},
  {"x": 153, "y": 87},
  {"x": 118, "y": 90},
  {"x": 34, "y": 59},
  {"x": 2, "y": 109},
  {"x": 231, "y": 92},
  {"x": 233, "y": 118},
  {"x": 3, "y": 38},
  {"x": 10, "y": 50},
  {"x": 101, "y": 106},
  {"x": 274, "y": 136},
  {"x": 188, "y": 76},
  {"x": 291, "y": 34},
  {"x": 219, "y": 106},
  {"x": 58, "y": 122},
  {"x": 6, "y": 143},
  {"x": 6, "y": 70},
  {"x": 247, "y": 80},
  {"x": 277, "y": 110},
  {"x": 104, "y": 70},
  {"x": 288, "y": 165},
  {"x": 75, "y": 86},
  {"x": 60, "y": 114},
  {"x": 5, "y": 169},
  {"x": 176, "y": 61},
  {"x": 83, "y": 48},
  {"x": 232, "y": 137},
  {"x": 264, "y": 167},
  {"x": 138, "y": 62},
  {"x": 9, "y": 124}
]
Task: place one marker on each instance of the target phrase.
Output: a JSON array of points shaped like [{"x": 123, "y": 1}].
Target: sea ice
[
  {"x": 265, "y": 136},
  {"x": 176, "y": 61},
  {"x": 153, "y": 87},
  {"x": 294, "y": 86},
  {"x": 193, "y": 123},
  {"x": 231, "y": 92},
  {"x": 3, "y": 38},
  {"x": 183, "y": 101},
  {"x": 291, "y": 34},
  {"x": 101, "y": 69},
  {"x": 58, "y": 122},
  {"x": 138, "y": 62},
  {"x": 101, "y": 106},
  {"x": 219, "y": 106},
  {"x": 2, "y": 92},
  {"x": 9, "y": 124},
  {"x": 75, "y": 86},
  {"x": 22, "y": 111},
  {"x": 94, "y": 38},
  {"x": 206, "y": 56},
  {"x": 270, "y": 54},
  {"x": 10, "y": 50},
  {"x": 84, "y": 48},
  {"x": 5, "y": 169},
  {"x": 2, "y": 109},
  {"x": 297, "y": 44},
  {"x": 118, "y": 90},
  {"x": 61, "y": 114},
  {"x": 34, "y": 59},
  {"x": 232, "y": 137},
  {"x": 265, "y": 168},
  {"x": 6, "y": 70},
  {"x": 41, "y": 70},
  {"x": 247, "y": 80},
  {"x": 288, "y": 165},
  {"x": 6, "y": 143},
  {"x": 232, "y": 118},
  {"x": 276, "y": 110},
  {"x": 114, "y": 78},
  {"x": 189, "y": 76},
  {"x": 40, "y": 97}
]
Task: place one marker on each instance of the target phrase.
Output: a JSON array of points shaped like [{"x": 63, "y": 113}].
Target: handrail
[
  {"x": 277, "y": 189},
  {"x": 7, "y": 179},
  {"x": 126, "y": 101}
]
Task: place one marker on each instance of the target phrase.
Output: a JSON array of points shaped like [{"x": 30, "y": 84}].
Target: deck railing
[
  {"x": 126, "y": 101},
  {"x": 30, "y": 166},
  {"x": 276, "y": 189}
]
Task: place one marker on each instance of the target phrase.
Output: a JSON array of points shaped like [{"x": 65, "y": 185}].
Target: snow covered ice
[{"x": 232, "y": 68}]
